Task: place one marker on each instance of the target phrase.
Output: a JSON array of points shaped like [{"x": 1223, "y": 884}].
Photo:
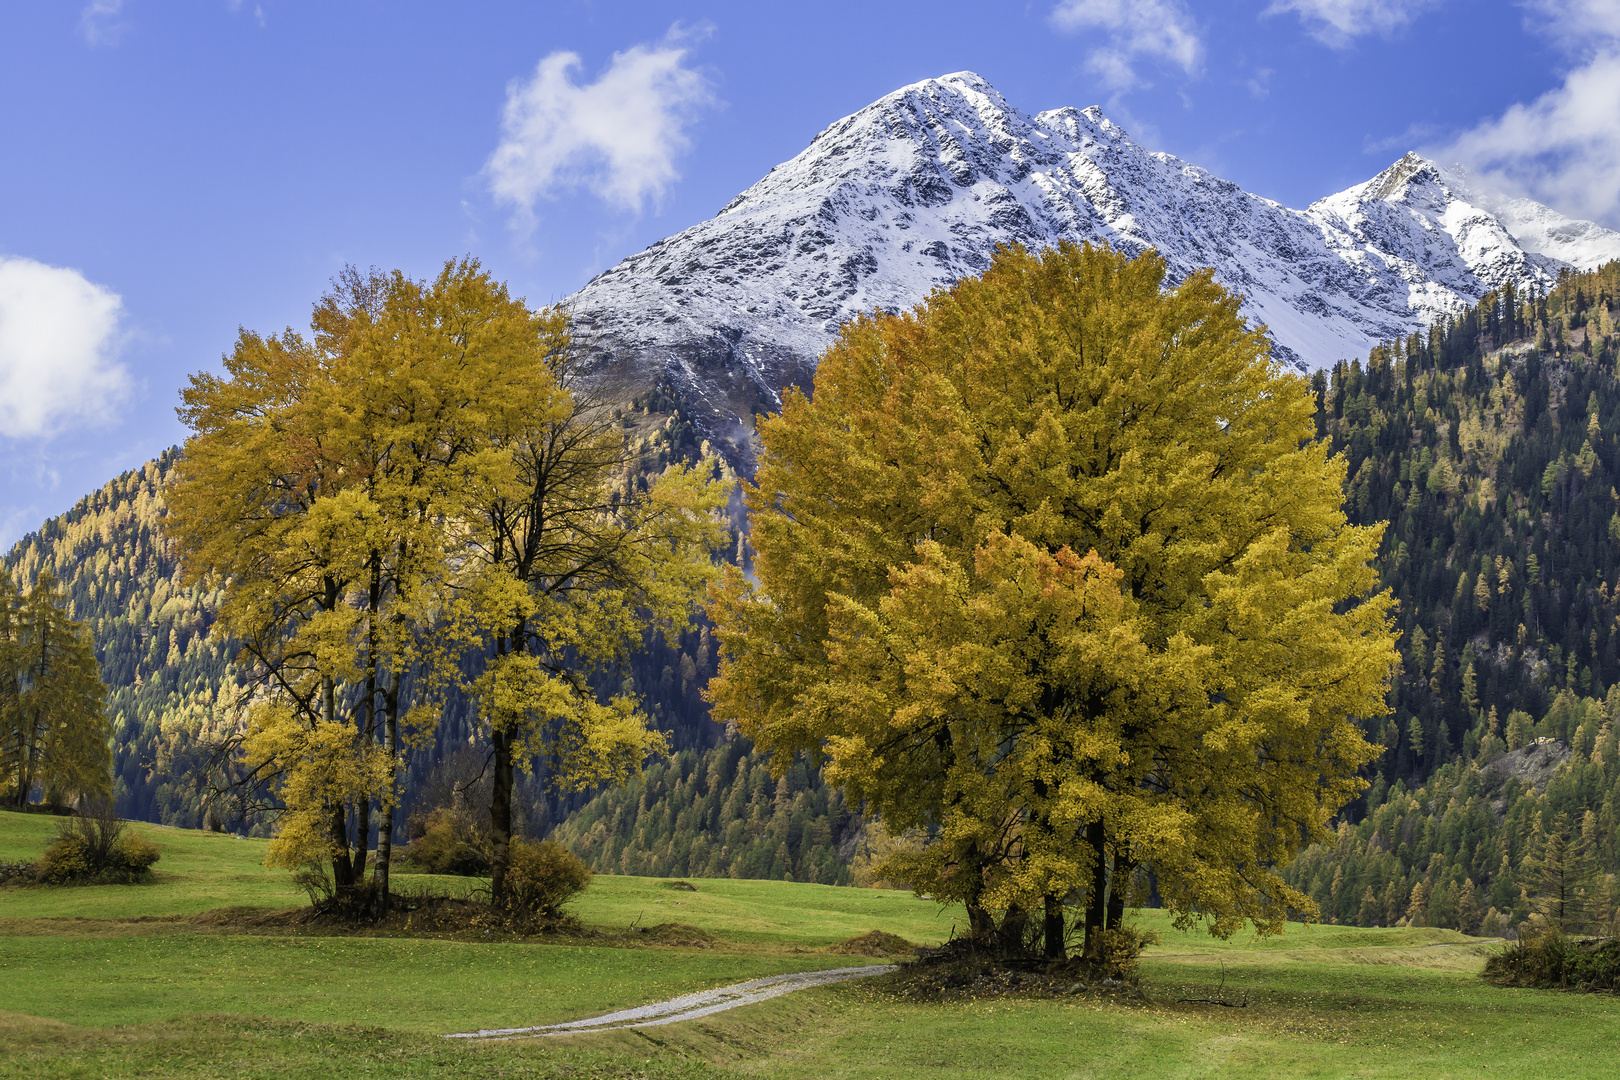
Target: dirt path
[{"x": 689, "y": 1006}]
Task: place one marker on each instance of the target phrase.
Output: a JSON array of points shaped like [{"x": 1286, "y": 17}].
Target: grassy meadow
[{"x": 140, "y": 981}]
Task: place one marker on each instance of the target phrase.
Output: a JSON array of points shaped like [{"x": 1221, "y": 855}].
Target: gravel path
[{"x": 689, "y": 1006}]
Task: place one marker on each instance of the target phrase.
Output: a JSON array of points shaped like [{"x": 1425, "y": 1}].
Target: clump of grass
[
  {"x": 678, "y": 934},
  {"x": 875, "y": 943}
]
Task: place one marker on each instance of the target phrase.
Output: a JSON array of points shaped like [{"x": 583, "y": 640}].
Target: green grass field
[{"x": 123, "y": 981}]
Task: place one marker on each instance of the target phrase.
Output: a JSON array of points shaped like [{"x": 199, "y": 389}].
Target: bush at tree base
[
  {"x": 449, "y": 843},
  {"x": 543, "y": 876}
]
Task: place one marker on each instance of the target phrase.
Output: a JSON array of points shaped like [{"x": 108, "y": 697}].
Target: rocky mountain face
[{"x": 916, "y": 190}]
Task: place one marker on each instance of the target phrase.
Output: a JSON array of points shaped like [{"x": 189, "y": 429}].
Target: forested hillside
[
  {"x": 168, "y": 680},
  {"x": 1490, "y": 838},
  {"x": 719, "y": 814},
  {"x": 1492, "y": 447}
]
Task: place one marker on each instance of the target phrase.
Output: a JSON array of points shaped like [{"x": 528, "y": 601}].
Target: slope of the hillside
[
  {"x": 1492, "y": 452},
  {"x": 916, "y": 190}
]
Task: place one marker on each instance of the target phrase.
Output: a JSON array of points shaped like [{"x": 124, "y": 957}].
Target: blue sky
[{"x": 174, "y": 170}]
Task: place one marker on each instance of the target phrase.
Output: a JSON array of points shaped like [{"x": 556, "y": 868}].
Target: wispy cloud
[
  {"x": 59, "y": 344},
  {"x": 100, "y": 22},
  {"x": 1337, "y": 23},
  {"x": 1162, "y": 31},
  {"x": 618, "y": 137},
  {"x": 1563, "y": 148},
  {"x": 257, "y": 11}
]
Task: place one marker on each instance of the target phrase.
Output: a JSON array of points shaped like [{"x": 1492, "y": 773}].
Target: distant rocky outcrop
[{"x": 1533, "y": 764}]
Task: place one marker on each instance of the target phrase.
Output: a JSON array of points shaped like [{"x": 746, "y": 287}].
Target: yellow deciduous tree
[
  {"x": 264, "y": 505},
  {"x": 1051, "y": 568},
  {"x": 568, "y": 566},
  {"x": 326, "y": 487}
]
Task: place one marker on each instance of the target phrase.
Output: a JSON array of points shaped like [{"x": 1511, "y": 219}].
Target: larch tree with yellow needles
[
  {"x": 1052, "y": 569},
  {"x": 54, "y": 731}
]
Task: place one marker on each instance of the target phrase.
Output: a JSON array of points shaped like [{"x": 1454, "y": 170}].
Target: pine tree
[
  {"x": 1417, "y": 907},
  {"x": 1468, "y": 914}
]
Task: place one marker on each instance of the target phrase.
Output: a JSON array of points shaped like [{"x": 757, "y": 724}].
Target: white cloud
[
  {"x": 1563, "y": 148},
  {"x": 59, "y": 342},
  {"x": 99, "y": 23},
  {"x": 1580, "y": 26},
  {"x": 1339, "y": 22},
  {"x": 1161, "y": 30},
  {"x": 618, "y": 137}
]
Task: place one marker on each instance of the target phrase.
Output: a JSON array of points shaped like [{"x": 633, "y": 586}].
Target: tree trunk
[
  {"x": 31, "y": 748},
  {"x": 1096, "y": 837},
  {"x": 25, "y": 759},
  {"x": 385, "y": 827},
  {"x": 1052, "y": 928},
  {"x": 1123, "y": 868},
  {"x": 500, "y": 800},
  {"x": 362, "y": 834},
  {"x": 1013, "y": 925},
  {"x": 342, "y": 866},
  {"x": 981, "y": 924},
  {"x": 366, "y": 737},
  {"x": 500, "y": 818}
]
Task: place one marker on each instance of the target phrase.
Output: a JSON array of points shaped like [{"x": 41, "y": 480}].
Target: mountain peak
[
  {"x": 916, "y": 190},
  {"x": 1393, "y": 182}
]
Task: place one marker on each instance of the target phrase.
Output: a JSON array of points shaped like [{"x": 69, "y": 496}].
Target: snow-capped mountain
[{"x": 916, "y": 190}]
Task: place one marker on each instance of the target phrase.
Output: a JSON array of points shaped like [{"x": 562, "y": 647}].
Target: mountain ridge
[{"x": 915, "y": 191}]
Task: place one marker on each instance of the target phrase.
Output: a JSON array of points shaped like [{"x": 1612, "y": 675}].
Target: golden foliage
[
  {"x": 1051, "y": 568},
  {"x": 418, "y": 485}
]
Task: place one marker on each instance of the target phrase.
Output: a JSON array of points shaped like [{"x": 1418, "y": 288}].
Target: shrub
[
  {"x": 137, "y": 853},
  {"x": 95, "y": 847},
  {"x": 1122, "y": 950},
  {"x": 543, "y": 876},
  {"x": 1550, "y": 960},
  {"x": 449, "y": 844}
]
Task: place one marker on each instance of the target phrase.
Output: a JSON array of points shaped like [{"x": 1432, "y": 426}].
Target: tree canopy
[{"x": 1053, "y": 568}]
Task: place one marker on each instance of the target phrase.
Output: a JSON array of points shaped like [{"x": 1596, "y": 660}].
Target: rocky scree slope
[{"x": 916, "y": 190}]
